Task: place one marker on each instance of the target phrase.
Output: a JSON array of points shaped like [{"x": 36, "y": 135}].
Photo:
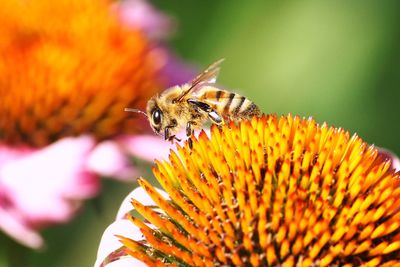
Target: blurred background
[{"x": 337, "y": 62}]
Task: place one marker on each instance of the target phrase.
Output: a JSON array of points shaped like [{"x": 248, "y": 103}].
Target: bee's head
[{"x": 155, "y": 115}]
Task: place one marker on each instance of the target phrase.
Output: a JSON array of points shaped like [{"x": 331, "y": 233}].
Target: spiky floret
[{"x": 272, "y": 192}]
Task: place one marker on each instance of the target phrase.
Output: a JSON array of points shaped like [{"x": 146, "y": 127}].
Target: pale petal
[
  {"x": 8, "y": 154},
  {"x": 43, "y": 184},
  {"x": 147, "y": 147},
  {"x": 390, "y": 156},
  {"x": 10, "y": 224},
  {"x": 142, "y": 15},
  {"x": 109, "y": 242},
  {"x": 108, "y": 159},
  {"x": 126, "y": 262}
]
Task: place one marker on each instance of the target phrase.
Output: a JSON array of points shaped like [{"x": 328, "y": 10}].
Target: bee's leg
[
  {"x": 212, "y": 114},
  {"x": 215, "y": 117},
  {"x": 190, "y": 142},
  {"x": 167, "y": 134},
  {"x": 189, "y": 132},
  {"x": 169, "y": 137},
  {"x": 201, "y": 105}
]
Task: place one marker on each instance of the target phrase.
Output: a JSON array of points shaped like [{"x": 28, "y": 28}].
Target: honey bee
[{"x": 189, "y": 106}]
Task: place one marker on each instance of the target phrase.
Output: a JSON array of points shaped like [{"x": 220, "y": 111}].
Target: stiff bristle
[{"x": 273, "y": 192}]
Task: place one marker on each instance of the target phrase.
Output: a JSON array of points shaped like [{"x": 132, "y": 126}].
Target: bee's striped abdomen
[{"x": 230, "y": 105}]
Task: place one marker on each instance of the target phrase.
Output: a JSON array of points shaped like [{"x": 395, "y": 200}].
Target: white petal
[
  {"x": 110, "y": 243},
  {"x": 126, "y": 262}
]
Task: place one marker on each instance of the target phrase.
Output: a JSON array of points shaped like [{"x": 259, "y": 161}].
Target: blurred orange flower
[{"x": 68, "y": 69}]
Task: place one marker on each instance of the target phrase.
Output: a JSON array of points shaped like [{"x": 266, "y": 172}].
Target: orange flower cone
[
  {"x": 268, "y": 192},
  {"x": 73, "y": 73},
  {"x": 68, "y": 69}
]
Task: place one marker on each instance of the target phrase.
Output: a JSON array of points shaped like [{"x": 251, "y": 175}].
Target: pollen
[
  {"x": 271, "y": 192},
  {"x": 69, "y": 67}
]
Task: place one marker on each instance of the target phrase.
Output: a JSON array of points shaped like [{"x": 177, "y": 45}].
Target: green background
[{"x": 336, "y": 61}]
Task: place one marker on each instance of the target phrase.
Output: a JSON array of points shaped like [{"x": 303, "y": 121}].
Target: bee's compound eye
[{"x": 156, "y": 116}]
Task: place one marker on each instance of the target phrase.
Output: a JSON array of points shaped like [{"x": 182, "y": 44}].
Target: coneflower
[
  {"x": 68, "y": 68},
  {"x": 73, "y": 74},
  {"x": 270, "y": 192}
]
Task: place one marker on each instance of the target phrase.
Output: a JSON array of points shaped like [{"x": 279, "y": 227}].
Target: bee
[{"x": 190, "y": 105}]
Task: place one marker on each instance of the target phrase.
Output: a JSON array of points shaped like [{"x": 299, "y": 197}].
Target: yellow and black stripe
[{"x": 229, "y": 104}]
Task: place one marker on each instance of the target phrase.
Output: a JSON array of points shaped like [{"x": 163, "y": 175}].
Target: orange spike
[{"x": 275, "y": 191}]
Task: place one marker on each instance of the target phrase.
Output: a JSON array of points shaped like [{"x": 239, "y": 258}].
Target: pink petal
[
  {"x": 109, "y": 159},
  {"x": 22, "y": 233},
  {"x": 45, "y": 186},
  {"x": 8, "y": 154},
  {"x": 143, "y": 16},
  {"x": 150, "y": 147},
  {"x": 147, "y": 147}
]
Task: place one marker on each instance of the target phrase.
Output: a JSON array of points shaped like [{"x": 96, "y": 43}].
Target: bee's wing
[{"x": 209, "y": 76}]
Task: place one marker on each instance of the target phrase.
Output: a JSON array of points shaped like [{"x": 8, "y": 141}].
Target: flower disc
[{"x": 272, "y": 192}]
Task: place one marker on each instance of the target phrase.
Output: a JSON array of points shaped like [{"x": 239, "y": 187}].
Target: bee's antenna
[{"x": 135, "y": 110}]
